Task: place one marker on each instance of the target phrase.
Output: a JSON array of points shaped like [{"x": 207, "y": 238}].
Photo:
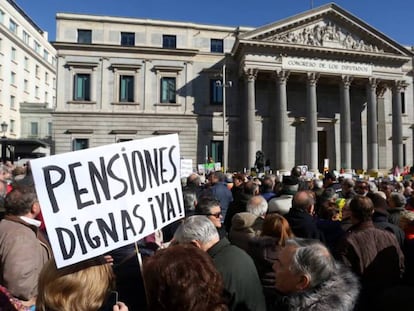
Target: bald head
[
  {"x": 257, "y": 205},
  {"x": 303, "y": 200}
]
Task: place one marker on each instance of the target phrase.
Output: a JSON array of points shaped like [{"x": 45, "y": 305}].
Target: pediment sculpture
[{"x": 325, "y": 34}]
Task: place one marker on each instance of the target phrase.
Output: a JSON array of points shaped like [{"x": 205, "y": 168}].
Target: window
[
  {"x": 1, "y": 17},
  {"x": 217, "y": 150},
  {"x": 34, "y": 128},
  {"x": 54, "y": 83},
  {"x": 169, "y": 41},
  {"x": 46, "y": 97},
  {"x": 12, "y": 102},
  {"x": 37, "y": 47},
  {"x": 37, "y": 91},
  {"x": 53, "y": 61},
  {"x": 402, "y": 103},
  {"x": 45, "y": 55},
  {"x": 37, "y": 71},
  {"x": 47, "y": 77},
  {"x": 168, "y": 90},
  {"x": 26, "y": 85},
  {"x": 85, "y": 36},
  {"x": 26, "y": 63},
  {"x": 12, "y": 78},
  {"x": 216, "y": 92},
  {"x": 128, "y": 38},
  {"x": 49, "y": 128},
  {"x": 12, "y": 126},
  {"x": 12, "y": 26},
  {"x": 82, "y": 84},
  {"x": 216, "y": 46},
  {"x": 126, "y": 89},
  {"x": 26, "y": 37},
  {"x": 80, "y": 144},
  {"x": 13, "y": 54}
]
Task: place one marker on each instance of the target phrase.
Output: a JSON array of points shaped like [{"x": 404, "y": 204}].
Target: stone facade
[{"x": 319, "y": 85}]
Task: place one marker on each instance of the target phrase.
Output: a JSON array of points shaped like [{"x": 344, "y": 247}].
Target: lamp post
[{"x": 224, "y": 84}]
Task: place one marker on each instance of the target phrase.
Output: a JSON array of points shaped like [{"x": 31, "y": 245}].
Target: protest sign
[
  {"x": 99, "y": 199},
  {"x": 186, "y": 167}
]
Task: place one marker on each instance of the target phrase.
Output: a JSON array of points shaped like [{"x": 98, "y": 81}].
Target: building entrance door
[{"x": 322, "y": 149}]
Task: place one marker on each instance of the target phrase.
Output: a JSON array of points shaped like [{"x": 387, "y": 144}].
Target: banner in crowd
[{"x": 99, "y": 199}]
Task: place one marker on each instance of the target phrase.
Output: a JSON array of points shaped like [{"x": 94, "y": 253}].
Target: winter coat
[
  {"x": 23, "y": 252},
  {"x": 339, "y": 292},
  {"x": 245, "y": 226},
  {"x": 240, "y": 277}
]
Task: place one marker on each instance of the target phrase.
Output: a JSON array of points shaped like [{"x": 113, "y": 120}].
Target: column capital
[
  {"x": 251, "y": 74},
  {"x": 399, "y": 85},
  {"x": 346, "y": 80},
  {"x": 373, "y": 82},
  {"x": 281, "y": 75},
  {"x": 312, "y": 78},
  {"x": 381, "y": 88}
]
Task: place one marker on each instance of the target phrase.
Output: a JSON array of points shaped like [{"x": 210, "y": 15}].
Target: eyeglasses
[{"x": 217, "y": 215}]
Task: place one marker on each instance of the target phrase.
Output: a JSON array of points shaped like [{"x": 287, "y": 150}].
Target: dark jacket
[
  {"x": 264, "y": 251},
  {"x": 381, "y": 221},
  {"x": 239, "y": 276},
  {"x": 375, "y": 256},
  {"x": 237, "y": 206},
  {"x": 395, "y": 215},
  {"x": 303, "y": 225},
  {"x": 332, "y": 232},
  {"x": 339, "y": 292}
]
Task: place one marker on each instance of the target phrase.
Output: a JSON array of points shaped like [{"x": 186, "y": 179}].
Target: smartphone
[{"x": 113, "y": 298}]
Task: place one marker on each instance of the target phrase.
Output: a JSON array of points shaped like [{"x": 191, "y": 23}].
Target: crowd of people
[{"x": 246, "y": 243}]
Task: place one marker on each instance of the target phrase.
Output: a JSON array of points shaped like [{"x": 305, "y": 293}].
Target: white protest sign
[
  {"x": 186, "y": 167},
  {"x": 99, "y": 199}
]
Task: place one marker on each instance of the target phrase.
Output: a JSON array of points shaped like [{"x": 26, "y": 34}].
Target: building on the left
[{"x": 27, "y": 76}]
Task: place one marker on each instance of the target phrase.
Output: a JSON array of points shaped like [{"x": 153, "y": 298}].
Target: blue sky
[{"x": 393, "y": 18}]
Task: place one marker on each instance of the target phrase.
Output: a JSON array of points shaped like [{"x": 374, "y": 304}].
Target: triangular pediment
[{"x": 326, "y": 27}]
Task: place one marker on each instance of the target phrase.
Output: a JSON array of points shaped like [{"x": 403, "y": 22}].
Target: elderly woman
[
  {"x": 183, "y": 277},
  {"x": 85, "y": 286}
]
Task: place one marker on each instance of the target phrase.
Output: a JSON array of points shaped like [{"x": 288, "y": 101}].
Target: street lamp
[
  {"x": 224, "y": 84},
  {"x": 4, "y": 126}
]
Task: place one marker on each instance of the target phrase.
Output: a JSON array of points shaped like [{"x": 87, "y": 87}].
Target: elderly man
[
  {"x": 300, "y": 216},
  {"x": 373, "y": 254},
  {"x": 247, "y": 225},
  {"x": 236, "y": 267},
  {"x": 283, "y": 203},
  {"x": 23, "y": 250},
  {"x": 308, "y": 277}
]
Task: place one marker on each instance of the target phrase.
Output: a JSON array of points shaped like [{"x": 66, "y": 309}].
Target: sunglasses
[{"x": 217, "y": 215}]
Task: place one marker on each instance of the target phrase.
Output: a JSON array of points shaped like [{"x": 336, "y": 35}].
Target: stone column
[
  {"x": 281, "y": 122},
  {"x": 312, "y": 122},
  {"x": 251, "y": 75},
  {"x": 372, "y": 126},
  {"x": 346, "y": 124},
  {"x": 397, "y": 144}
]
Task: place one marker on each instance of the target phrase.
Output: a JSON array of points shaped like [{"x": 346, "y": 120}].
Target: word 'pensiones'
[{"x": 144, "y": 169}]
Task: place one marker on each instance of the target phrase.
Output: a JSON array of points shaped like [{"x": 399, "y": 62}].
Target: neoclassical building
[{"x": 319, "y": 85}]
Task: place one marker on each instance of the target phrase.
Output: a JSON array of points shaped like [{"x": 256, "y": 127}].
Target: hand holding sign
[{"x": 99, "y": 199}]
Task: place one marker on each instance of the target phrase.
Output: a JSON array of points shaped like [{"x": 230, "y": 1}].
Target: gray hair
[
  {"x": 313, "y": 259},
  {"x": 257, "y": 206},
  {"x": 198, "y": 228}
]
